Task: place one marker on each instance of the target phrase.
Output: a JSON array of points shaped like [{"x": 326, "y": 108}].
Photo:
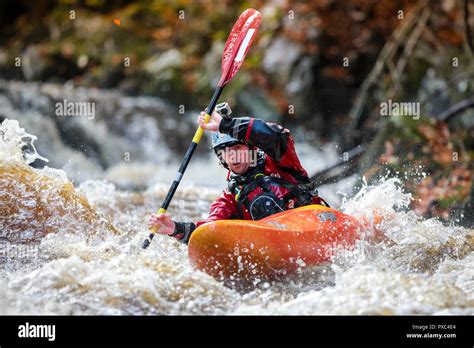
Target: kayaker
[{"x": 265, "y": 174}]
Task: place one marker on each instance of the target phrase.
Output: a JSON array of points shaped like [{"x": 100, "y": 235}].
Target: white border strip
[{"x": 244, "y": 45}]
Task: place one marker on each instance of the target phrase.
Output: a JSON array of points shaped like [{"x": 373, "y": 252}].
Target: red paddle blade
[{"x": 238, "y": 44}]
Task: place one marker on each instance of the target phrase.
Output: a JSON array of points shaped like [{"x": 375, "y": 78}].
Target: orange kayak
[{"x": 275, "y": 246}]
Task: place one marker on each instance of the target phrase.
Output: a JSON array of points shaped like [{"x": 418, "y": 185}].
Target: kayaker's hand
[
  {"x": 213, "y": 124},
  {"x": 162, "y": 222}
]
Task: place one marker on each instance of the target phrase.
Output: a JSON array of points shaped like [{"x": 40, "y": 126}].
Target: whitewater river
[{"x": 71, "y": 245}]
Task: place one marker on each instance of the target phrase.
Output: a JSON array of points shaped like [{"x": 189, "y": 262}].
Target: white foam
[{"x": 13, "y": 140}]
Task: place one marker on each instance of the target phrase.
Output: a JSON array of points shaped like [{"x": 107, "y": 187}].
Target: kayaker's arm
[
  {"x": 224, "y": 207},
  {"x": 270, "y": 137}
]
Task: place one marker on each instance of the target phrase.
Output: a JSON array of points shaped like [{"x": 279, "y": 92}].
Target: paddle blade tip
[{"x": 146, "y": 243}]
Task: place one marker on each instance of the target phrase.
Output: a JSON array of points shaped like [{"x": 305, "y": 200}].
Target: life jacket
[{"x": 259, "y": 195}]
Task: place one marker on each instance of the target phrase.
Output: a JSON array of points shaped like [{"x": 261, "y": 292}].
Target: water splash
[
  {"x": 424, "y": 267},
  {"x": 35, "y": 202},
  {"x": 17, "y": 145}
]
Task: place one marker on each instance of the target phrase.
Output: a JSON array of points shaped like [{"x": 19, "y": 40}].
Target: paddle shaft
[
  {"x": 184, "y": 164},
  {"x": 190, "y": 151}
]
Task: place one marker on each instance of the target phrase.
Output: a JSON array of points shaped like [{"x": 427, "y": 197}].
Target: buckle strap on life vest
[{"x": 301, "y": 194}]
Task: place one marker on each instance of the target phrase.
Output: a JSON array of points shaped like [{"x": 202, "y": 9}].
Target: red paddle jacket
[{"x": 280, "y": 160}]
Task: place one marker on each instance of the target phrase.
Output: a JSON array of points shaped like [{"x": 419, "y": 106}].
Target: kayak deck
[{"x": 274, "y": 246}]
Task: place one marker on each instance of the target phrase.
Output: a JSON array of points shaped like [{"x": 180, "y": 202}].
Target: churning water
[{"x": 75, "y": 249}]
